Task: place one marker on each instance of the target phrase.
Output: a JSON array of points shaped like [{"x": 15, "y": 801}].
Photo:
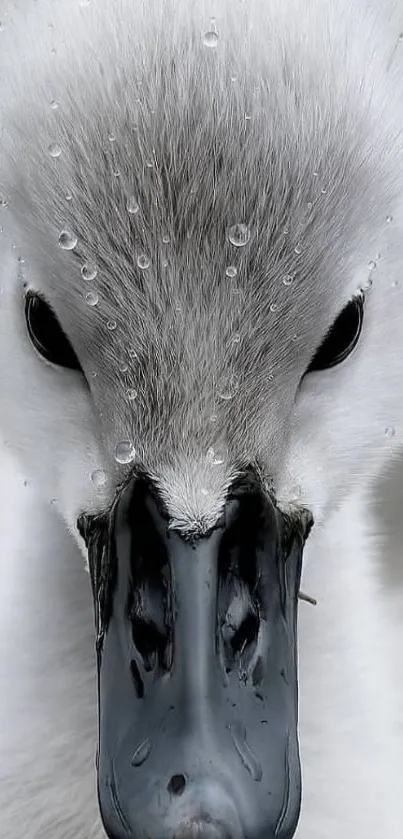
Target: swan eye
[
  {"x": 342, "y": 337},
  {"x": 46, "y": 333}
]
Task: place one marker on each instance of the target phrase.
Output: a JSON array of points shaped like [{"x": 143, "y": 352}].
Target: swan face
[{"x": 194, "y": 305}]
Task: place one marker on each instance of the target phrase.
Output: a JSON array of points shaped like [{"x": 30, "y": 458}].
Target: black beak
[{"x": 197, "y": 668}]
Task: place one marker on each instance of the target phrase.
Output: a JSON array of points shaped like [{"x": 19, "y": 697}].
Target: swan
[{"x": 200, "y": 344}]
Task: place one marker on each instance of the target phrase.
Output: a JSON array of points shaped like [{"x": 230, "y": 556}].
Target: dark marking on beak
[{"x": 197, "y": 667}]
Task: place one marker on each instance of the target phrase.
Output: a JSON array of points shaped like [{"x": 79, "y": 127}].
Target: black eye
[
  {"x": 341, "y": 338},
  {"x": 46, "y": 333}
]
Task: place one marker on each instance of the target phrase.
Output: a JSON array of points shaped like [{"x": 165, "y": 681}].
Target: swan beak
[{"x": 197, "y": 668}]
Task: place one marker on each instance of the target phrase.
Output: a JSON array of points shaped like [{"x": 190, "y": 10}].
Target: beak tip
[{"x": 202, "y": 829}]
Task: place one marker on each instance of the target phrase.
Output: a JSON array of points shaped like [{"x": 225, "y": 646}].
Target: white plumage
[{"x": 319, "y": 83}]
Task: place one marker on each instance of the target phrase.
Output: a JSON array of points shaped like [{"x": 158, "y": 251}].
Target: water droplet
[
  {"x": 204, "y": 491},
  {"x": 111, "y": 325},
  {"x": 309, "y": 205},
  {"x": 132, "y": 394},
  {"x": 231, "y": 271},
  {"x": 116, "y": 173},
  {"x": 247, "y": 117},
  {"x": 67, "y": 240},
  {"x": 1, "y": 26},
  {"x": 91, "y": 298},
  {"x": 288, "y": 279},
  {"x": 298, "y": 249},
  {"x": 316, "y": 174},
  {"x": 98, "y": 477},
  {"x": 89, "y": 271},
  {"x": 389, "y": 219},
  {"x": 149, "y": 164},
  {"x": 132, "y": 353},
  {"x": 395, "y": 283},
  {"x": 69, "y": 196},
  {"x": 123, "y": 367},
  {"x": 234, "y": 79},
  {"x": 54, "y": 104},
  {"x": 390, "y": 431},
  {"x": 372, "y": 265},
  {"x": 55, "y": 150},
  {"x": 239, "y": 235},
  {"x": 323, "y": 190},
  {"x": 143, "y": 261},
  {"x": 125, "y": 452},
  {"x": 248, "y": 758},
  {"x": 210, "y": 39},
  {"x": 236, "y": 338},
  {"x": 270, "y": 377},
  {"x": 213, "y": 418},
  {"x": 273, "y": 307},
  {"x": 111, "y": 138},
  {"x": 229, "y": 387},
  {"x": 142, "y": 752},
  {"x": 132, "y": 206},
  {"x": 166, "y": 240},
  {"x": 215, "y": 456}
]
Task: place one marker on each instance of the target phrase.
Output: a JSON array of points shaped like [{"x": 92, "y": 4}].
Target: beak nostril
[{"x": 177, "y": 784}]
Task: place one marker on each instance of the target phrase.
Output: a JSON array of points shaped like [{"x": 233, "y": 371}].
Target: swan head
[{"x": 200, "y": 350}]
